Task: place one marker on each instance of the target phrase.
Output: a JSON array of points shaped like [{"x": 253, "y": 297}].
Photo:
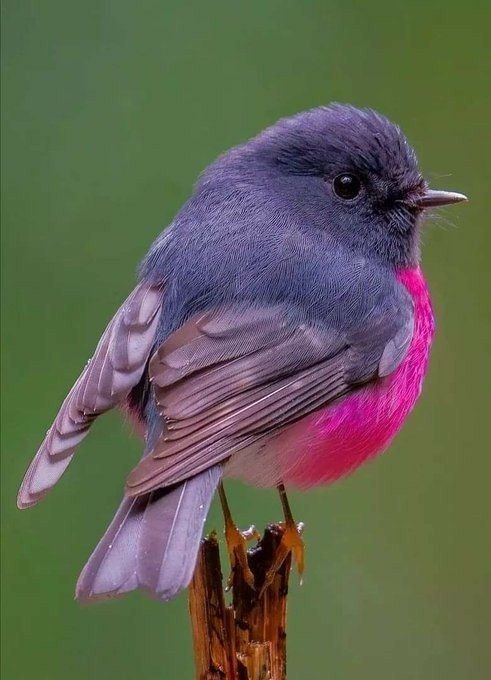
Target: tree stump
[{"x": 245, "y": 640}]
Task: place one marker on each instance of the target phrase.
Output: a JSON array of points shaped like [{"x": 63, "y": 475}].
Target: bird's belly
[{"x": 334, "y": 441}]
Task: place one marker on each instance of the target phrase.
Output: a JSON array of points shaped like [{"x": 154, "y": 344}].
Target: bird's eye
[{"x": 346, "y": 186}]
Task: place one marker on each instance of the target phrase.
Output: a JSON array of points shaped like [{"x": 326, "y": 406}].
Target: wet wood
[{"x": 245, "y": 640}]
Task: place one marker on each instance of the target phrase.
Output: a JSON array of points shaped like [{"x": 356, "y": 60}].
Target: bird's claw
[
  {"x": 291, "y": 542},
  {"x": 237, "y": 549}
]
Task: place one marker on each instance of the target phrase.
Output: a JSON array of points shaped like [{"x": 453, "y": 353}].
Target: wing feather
[
  {"x": 220, "y": 391},
  {"x": 115, "y": 368},
  {"x": 231, "y": 378}
]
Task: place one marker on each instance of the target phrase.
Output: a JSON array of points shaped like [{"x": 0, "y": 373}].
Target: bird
[{"x": 279, "y": 333}]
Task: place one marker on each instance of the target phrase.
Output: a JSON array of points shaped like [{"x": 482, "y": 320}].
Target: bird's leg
[
  {"x": 237, "y": 542},
  {"x": 291, "y": 542}
]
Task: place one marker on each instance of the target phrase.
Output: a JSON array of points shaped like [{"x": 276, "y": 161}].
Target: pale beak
[{"x": 433, "y": 199}]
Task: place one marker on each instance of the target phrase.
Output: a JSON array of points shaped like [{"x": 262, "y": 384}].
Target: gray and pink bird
[{"x": 279, "y": 333}]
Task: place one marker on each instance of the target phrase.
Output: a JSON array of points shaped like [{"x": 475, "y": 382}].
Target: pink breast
[{"x": 343, "y": 436}]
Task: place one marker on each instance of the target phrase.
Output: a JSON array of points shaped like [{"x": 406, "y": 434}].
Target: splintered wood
[{"x": 245, "y": 640}]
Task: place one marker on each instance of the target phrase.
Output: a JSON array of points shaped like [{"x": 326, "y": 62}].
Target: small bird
[{"x": 279, "y": 333}]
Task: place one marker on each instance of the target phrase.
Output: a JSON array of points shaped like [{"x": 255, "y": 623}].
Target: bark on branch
[{"x": 245, "y": 640}]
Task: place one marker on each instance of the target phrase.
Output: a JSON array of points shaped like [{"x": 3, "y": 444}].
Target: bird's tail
[{"x": 152, "y": 542}]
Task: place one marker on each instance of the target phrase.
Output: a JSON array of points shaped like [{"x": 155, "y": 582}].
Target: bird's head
[{"x": 348, "y": 171}]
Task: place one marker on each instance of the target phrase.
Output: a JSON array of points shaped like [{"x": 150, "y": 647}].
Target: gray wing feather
[
  {"x": 224, "y": 381},
  {"x": 115, "y": 368},
  {"x": 396, "y": 348}
]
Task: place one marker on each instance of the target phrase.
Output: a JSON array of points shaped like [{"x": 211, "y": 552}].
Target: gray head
[{"x": 347, "y": 171}]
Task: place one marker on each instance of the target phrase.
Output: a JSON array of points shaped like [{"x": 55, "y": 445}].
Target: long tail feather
[{"x": 152, "y": 542}]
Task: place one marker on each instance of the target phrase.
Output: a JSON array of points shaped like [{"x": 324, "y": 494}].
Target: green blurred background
[{"x": 110, "y": 110}]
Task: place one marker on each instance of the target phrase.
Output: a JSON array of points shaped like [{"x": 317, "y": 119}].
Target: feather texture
[
  {"x": 229, "y": 378},
  {"x": 115, "y": 368},
  {"x": 152, "y": 542}
]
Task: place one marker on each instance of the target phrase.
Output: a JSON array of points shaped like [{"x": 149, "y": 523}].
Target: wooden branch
[{"x": 245, "y": 640}]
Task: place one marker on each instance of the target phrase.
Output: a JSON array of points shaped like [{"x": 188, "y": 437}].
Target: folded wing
[
  {"x": 115, "y": 368},
  {"x": 230, "y": 378}
]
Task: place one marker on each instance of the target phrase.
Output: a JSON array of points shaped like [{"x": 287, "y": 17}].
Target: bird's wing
[
  {"x": 230, "y": 377},
  {"x": 115, "y": 368}
]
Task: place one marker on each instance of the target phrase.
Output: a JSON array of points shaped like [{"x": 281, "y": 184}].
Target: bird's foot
[
  {"x": 237, "y": 549},
  {"x": 291, "y": 542}
]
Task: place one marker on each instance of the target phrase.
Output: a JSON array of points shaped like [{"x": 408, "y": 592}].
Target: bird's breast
[
  {"x": 333, "y": 442},
  {"x": 363, "y": 425}
]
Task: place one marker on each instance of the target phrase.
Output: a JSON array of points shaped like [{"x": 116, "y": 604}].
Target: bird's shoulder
[{"x": 314, "y": 276}]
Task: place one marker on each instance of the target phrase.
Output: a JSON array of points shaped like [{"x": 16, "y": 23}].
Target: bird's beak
[{"x": 433, "y": 199}]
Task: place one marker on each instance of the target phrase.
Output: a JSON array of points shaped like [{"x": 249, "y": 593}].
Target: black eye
[{"x": 346, "y": 185}]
